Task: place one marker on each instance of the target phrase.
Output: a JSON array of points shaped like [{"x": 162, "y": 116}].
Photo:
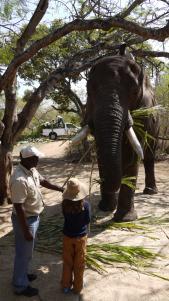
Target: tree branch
[
  {"x": 31, "y": 27},
  {"x": 79, "y": 105},
  {"x": 145, "y": 53},
  {"x": 157, "y": 18},
  {"x": 65, "y": 110},
  {"x": 128, "y": 10},
  {"x": 159, "y": 34},
  {"x": 1, "y": 128}
]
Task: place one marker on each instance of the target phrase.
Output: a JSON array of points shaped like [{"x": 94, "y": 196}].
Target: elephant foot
[
  {"x": 149, "y": 190},
  {"x": 125, "y": 216},
  {"x": 104, "y": 206}
]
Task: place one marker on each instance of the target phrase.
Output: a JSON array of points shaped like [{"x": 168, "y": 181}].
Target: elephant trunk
[{"x": 109, "y": 124}]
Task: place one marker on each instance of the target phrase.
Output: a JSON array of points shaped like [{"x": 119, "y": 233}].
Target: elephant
[{"x": 116, "y": 86}]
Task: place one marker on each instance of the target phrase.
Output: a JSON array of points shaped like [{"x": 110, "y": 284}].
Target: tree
[{"x": 86, "y": 16}]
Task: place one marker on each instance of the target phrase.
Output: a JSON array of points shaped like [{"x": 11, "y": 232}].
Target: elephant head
[{"x": 114, "y": 87}]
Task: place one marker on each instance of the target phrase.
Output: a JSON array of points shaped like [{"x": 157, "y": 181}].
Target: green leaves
[
  {"x": 128, "y": 181},
  {"x": 139, "y": 116},
  {"x": 6, "y": 54},
  {"x": 11, "y": 8}
]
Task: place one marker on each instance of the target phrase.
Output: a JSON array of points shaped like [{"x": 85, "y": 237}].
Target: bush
[{"x": 31, "y": 133}]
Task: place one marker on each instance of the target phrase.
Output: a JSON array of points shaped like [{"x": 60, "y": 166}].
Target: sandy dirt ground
[{"x": 120, "y": 282}]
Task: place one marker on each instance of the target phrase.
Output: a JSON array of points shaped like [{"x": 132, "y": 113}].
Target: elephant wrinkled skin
[{"x": 117, "y": 85}]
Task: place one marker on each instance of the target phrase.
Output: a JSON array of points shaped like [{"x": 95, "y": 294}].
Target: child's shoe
[{"x": 66, "y": 290}]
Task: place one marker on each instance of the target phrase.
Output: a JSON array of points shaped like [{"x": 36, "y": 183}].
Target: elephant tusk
[
  {"x": 134, "y": 142},
  {"x": 81, "y": 135}
]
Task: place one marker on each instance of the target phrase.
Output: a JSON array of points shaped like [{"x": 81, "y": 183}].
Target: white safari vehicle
[{"x": 53, "y": 130}]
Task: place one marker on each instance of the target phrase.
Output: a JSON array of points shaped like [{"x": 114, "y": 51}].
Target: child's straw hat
[{"x": 75, "y": 190}]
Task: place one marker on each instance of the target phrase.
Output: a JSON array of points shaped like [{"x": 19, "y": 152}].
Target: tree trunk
[
  {"x": 6, "y": 146},
  {"x": 5, "y": 173},
  {"x": 1, "y": 128}
]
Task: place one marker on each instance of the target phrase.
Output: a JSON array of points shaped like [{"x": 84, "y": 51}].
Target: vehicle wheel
[{"x": 52, "y": 136}]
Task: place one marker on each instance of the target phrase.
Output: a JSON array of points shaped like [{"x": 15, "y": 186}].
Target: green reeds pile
[
  {"x": 141, "y": 223},
  {"x": 99, "y": 225},
  {"x": 155, "y": 220},
  {"x": 130, "y": 226},
  {"x": 99, "y": 255}
]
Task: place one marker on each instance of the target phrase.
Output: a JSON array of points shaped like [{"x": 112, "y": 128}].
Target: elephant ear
[
  {"x": 137, "y": 80},
  {"x": 146, "y": 92}
]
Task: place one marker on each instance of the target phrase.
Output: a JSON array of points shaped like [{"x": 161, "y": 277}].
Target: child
[{"x": 76, "y": 214}]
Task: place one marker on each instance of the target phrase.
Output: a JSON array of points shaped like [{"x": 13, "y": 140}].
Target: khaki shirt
[{"x": 25, "y": 189}]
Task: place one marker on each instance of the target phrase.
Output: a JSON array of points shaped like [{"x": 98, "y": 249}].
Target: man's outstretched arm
[{"x": 49, "y": 185}]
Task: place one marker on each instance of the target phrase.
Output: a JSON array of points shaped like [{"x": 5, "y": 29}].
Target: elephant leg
[
  {"x": 125, "y": 209},
  {"x": 108, "y": 200},
  {"x": 150, "y": 182}
]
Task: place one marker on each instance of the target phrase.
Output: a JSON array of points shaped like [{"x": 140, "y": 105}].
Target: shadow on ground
[{"x": 119, "y": 283}]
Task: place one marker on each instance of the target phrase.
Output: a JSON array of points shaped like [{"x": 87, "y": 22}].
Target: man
[{"x": 27, "y": 205}]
